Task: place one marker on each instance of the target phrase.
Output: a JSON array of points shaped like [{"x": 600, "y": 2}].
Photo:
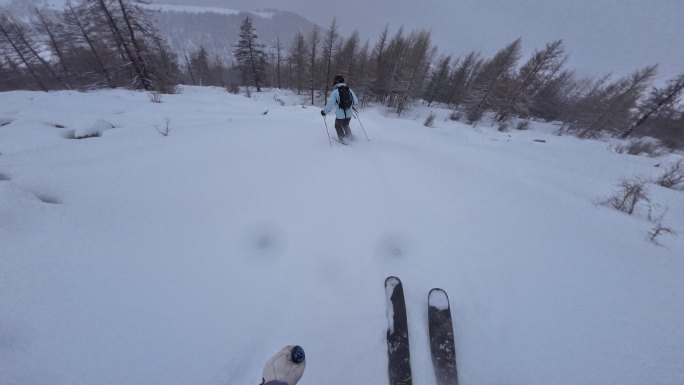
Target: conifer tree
[
  {"x": 539, "y": 69},
  {"x": 199, "y": 64},
  {"x": 609, "y": 108},
  {"x": 492, "y": 84},
  {"x": 659, "y": 100},
  {"x": 314, "y": 40},
  {"x": 438, "y": 80},
  {"x": 329, "y": 44},
  {"x": 462, "y": 74},
  {"x": 250, "y": 55},
  {"x": 297, "y": 61}
]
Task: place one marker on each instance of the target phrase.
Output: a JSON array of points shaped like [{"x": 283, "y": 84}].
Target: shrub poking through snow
[
  {"x": 659, "y": 229},
  {"x": 504, "y": 125},
  {"x": 155, "y": 97},
  {"x": 673, "y": 176},
  {"x": 164, "y": 130},
  {"x": 233, "y": 88},
  {"x": 455, "y": 115},
  {"x": 523, "y": 125},
  {"x": 430, "y": 120},
  {"x": 628, "y": 197}
]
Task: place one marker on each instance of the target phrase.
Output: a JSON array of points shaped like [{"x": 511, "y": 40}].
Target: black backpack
[{"x": 346, "y": 100}]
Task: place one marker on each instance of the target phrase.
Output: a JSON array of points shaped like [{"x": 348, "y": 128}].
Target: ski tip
[
  {"x": 392, "y": 279},
  {"x": 438, "y": 298}
]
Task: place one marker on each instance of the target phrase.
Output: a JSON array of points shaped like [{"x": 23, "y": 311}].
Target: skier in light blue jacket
[{"x": 344, "y": 99}]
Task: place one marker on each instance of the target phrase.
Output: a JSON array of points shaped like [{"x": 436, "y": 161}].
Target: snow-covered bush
[
  {"x": 523, "y": 125},
  {"x": 642, "y": 146},
  {"x": 504, "y": 125},
  {"x": 233, "y": 88},
  {"x": 155, "y": 97}
]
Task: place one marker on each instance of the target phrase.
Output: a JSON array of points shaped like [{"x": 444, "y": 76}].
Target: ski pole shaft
[
  {"x": 364, "y": 130},
  {"x": 326, "y": 130}
]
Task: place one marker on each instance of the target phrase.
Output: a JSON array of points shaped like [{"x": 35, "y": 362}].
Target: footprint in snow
[
  {"x": 264, "y": 241},
  {"x": 391, "y": 246},
  {"x": 46, "y": 198}
]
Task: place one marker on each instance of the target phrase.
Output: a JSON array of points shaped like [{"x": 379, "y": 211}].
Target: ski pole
[
  {"x": 326, "y": 130},
  {"x": 357, "y": 118}
]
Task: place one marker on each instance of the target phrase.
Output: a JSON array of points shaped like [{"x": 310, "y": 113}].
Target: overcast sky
[{"x": 602, "y": 36}]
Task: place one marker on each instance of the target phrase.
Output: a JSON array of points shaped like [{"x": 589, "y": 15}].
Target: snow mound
[{"x": 93, "y": 130}]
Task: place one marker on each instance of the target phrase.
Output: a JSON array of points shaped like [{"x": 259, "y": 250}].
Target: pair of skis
[{"x": 440, "y": 330}]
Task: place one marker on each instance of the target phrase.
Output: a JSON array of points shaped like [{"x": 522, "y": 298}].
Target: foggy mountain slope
[{"x": 187, "y": 30}]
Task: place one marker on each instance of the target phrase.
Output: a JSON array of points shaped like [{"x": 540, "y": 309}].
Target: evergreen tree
[
  {"x": 380, "y": 67},
  {"x": 16, "y": 45},
  {"x": 493, "y": 84},
  {"x": 86, "y": 45},
  {"x": 297, "y": 61},
  {"x": 417, "y": 56},
  {"x": 663, "y": 99},
  {"x": 460, "y": 79},
  {"x": 438, "y": 80},
  {"x": 550, "y": 100},
  {"x": 609, "y": 108},
  {"x": 199, "y": 65},
  {"x": 347, "y": 55},
  {"x": 48, "y": 27},
  {"x": 539, "y": 69},
  {"x": 250, "y": 55},
  {"x": 329, "y": 43},
  {"x": 363, "y": 73},
  {"x": 314, "y": 40},
  {"x": 279, "y": 59}
]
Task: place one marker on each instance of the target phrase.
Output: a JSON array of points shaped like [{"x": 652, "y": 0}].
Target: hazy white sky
[{"x": 602, "y": 36}]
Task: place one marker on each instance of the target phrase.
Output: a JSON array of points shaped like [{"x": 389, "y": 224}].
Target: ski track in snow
[{"x": 133, "y": 258}]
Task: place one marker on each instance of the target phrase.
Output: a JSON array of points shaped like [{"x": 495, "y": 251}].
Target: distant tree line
[
  {"x": 90, "y": 44},
  {"x": 112, "y": 43},
  {"x": 404, "y": 68}
]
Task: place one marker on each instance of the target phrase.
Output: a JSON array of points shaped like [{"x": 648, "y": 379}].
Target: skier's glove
[
  {"x": 322, "y": 113},
  {"x": 286, "y": 367}
]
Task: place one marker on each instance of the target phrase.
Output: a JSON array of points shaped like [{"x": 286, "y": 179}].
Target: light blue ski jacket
[{"x": 334, "y": 99}]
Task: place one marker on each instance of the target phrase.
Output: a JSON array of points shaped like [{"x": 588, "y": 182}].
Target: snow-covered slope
[{"x": 136, "y": 258}]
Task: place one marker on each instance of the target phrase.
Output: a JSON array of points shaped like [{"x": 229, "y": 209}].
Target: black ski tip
[
  {"x": 437, "y": 290},
  {"x": 437, "y": 297},
  {"x": 392, "y": 278}
]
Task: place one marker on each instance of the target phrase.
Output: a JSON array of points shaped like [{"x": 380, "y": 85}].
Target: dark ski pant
[{"x": 342, "y": 128}]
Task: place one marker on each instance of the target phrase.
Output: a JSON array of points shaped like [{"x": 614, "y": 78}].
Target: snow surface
[
  {"x": 390, "y": 284},
  {"x": 133, "y": 258},
  {"x": 438, "y": 299}
]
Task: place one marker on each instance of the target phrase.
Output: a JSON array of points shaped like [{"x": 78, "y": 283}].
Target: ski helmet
[
  {"x": 297, "y": 354},
  {"x": 338, "y": 79}
]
